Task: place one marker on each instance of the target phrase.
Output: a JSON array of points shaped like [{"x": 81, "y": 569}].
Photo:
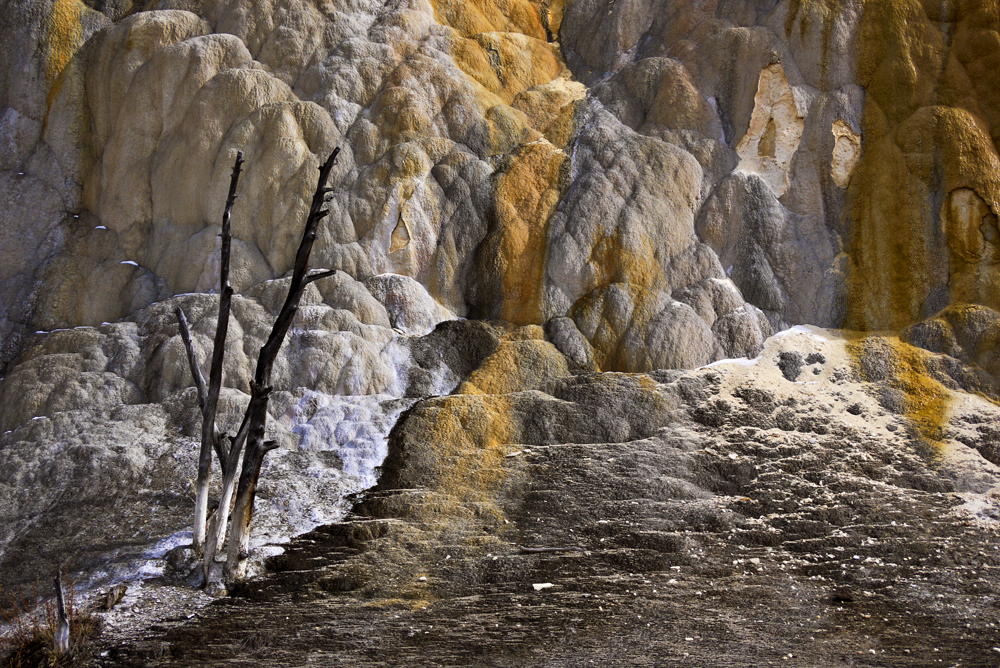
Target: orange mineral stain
[{"x": 63, "y": 35}]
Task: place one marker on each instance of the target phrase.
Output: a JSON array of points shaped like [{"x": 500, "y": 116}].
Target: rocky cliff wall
[
  {"x": 539, "y": 207},
  {"x": 707, "y": 172}
]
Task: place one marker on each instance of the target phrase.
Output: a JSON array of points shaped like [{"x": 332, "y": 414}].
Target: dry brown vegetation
[{"x": 31, "y": 622}]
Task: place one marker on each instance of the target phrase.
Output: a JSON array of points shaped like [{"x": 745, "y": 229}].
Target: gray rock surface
[
  {"x": 715, "y": 517},
  {"x": 605, "y": 191}
]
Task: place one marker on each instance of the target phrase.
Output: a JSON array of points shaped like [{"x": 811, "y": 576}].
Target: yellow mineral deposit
[
  {"x": 926, "y": 400},
  {"x": 525, "y": 198},
  {"x": 473, "y": 17},
  {"x": 62, "y": 39},
  {"x": 554, "y": 10},
  {"x": 775, "y": 130},
  {"x": 518, "y": 365},
  {"x": 507, "y": 63},
  {"x": 473, "y": 434},
  {"x": 926, "y": 127},
  {"x": 502, "y": 47}
]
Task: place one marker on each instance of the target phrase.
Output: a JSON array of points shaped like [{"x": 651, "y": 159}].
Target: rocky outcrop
[
  {"x": 748, "y": 511},
  {"x": 551, "y": 221},
  {"x": 101, "y": 424},
  {"x": 521, "y": 161}
]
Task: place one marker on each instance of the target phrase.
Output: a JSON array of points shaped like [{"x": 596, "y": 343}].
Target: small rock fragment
[
  {"x": 843, "y": 595},
  {"x": 790, "y": 365},
  {"x": 112, "y": 597}
]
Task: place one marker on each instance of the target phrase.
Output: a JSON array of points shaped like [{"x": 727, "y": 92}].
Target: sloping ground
[{"x": 781, "y": 511}]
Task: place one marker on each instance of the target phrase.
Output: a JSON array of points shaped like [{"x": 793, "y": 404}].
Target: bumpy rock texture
[
  {"x": 722, "y": 517},
  {"x": 539, "y": 207},
  {"x": 663, "y": 175}
]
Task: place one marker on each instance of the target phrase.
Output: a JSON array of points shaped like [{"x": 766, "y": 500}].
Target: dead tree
[
  {"x": 252, "y": 428},
  {"x": 260, "y": 388},
  {"x": 208, "y": 400}
]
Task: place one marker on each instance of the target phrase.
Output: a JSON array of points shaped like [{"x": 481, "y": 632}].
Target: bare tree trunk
[
  {"x": 256, "y": 447},
  {"x": 239, "y": 546},
  {"x": 60, "y": 639},
  {"x": 199, "y": 381},
  {"x": 217, "y": 532},
  {"x": 210, "y": 437}
]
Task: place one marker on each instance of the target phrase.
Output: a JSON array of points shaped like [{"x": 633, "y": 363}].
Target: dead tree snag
[
  {"x": 261, "y": 386},
  {"x": 252, "y": 428},
  {"x": 208, "y": 400},
  {"x": 60, "y": 636}
]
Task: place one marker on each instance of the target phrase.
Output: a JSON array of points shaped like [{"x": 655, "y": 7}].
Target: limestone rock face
[
  {"x": 540, "y": 214},
  {"x": 520, "y": 161}
]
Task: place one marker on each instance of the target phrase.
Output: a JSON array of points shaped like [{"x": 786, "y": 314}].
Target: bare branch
[
  {"x": 219, "y": 444},
  {"x": 199, "y": 383},
  {"x": 323, "y": 274},
  {"x": 270, "y": 350},
  {"x": 199, "y": 379}
]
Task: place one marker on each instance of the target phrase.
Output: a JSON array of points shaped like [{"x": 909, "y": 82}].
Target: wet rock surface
[{"x": 691, "y": 518}]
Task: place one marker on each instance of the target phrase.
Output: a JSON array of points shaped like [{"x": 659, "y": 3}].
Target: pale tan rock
[
  {"x": 343, "y": 292},
  {"x": 122, "y": 194},
  {"x": 822, "y": 39},
  {"x": 846, "y": 153},
  {"x": 407, "y": 303},
  {"x": 775, "y": 130},
  {"x": 121, "y": 52},
  {"x": 41, "y": 39},
  {"x": 663, "y": 187}
]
